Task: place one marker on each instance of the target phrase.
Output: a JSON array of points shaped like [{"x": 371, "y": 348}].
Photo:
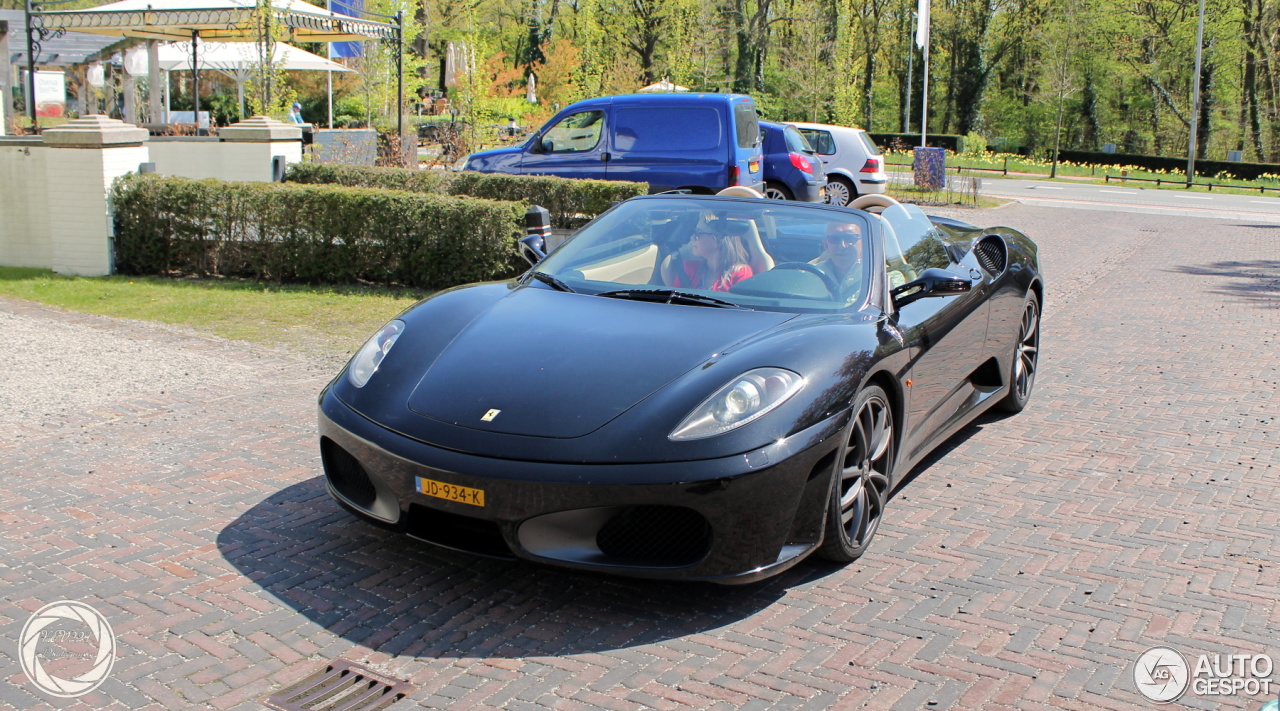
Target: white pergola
[{"x": 226, "y": 20}]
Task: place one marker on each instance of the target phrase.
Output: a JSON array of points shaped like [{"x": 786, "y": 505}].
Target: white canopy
[
  {"x": 230, "y": 57},
  {"x": 237, "y": 60},
  {"x": 662, "y": 87}
]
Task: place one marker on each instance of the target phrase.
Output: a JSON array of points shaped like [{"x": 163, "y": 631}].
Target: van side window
[
  {"x": 577, "y": 133},
  {"x": 821, "y": 141},
  {"x": 663, "y": 130}
]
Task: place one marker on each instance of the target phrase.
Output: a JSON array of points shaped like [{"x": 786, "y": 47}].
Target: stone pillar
[
  {"x": 6, "y": 72},
  {"x": 155, "y": 94},
  {"x": 92, "y": 151},
  {"x": 252, "y": 143},
  {"x": 130, "y": 99}
]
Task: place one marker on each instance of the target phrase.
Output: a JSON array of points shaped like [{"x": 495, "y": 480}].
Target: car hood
[
  {"x": 543, "y": 363},
  {"x": 482, "y": 160}
]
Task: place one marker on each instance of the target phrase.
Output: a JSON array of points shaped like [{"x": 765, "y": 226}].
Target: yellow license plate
[{"x": 450, "y": 492}]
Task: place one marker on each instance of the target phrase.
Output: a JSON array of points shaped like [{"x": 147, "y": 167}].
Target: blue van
[{"x": 698, "y": 142}]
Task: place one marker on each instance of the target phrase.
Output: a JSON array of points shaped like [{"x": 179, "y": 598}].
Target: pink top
[{"x": 692, "y": 274}]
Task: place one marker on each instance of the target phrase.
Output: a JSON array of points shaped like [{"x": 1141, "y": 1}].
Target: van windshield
[{"x": 739, "y": 253}]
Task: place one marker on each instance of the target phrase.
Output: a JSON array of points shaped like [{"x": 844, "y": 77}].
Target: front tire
[
  {"x": 860, "y": 483},
  {"x": 840, "y": 191},
  {"x": 1026, "y": 358}
]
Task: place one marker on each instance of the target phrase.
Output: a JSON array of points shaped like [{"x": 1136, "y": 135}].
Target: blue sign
[{"x": 354, "y": 8}]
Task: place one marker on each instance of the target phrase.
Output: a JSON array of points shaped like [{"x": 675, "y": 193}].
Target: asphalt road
[
  {"x": 1135, "y": 197},
  {"x": 1027, "y": 565}
]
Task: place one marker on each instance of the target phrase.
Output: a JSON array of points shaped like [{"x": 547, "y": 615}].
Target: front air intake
[
  {"x": 346, "y": 475},
  {"x": 992, "y": 254},
  {"x": 656, "y": 535}
]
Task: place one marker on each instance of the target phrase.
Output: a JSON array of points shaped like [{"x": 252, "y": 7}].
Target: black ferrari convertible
[{"x": 691, "y": 387}]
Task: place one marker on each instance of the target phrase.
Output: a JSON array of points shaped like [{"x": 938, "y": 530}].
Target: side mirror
[
  {"x": 933, "y": 282},
  {"x": 533, "y": 249},
  {"x": 535, "y": 146}
]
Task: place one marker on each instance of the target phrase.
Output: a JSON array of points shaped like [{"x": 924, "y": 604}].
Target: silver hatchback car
[{"x": 854, "y": 164}]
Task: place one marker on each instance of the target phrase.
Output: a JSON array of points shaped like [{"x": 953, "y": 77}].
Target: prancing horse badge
[{"x": 488, "y": 416}]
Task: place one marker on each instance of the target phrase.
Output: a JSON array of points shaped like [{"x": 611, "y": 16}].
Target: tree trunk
[
  {"x": 1089, "y": 112},
  {"x": 1155, "y": 118},
  {"x": 868, "y": 91},
  {"x": 1251, "y": 125}
]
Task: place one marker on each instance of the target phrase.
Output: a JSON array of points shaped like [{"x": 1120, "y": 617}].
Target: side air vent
[{"x": 992, "y": 254}]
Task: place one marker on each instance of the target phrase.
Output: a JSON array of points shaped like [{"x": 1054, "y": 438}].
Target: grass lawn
[{"x": 325, "y": 321}]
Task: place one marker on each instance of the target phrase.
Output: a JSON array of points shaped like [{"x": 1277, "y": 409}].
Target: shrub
[
  {"x": 311, "y": 233},
  {"x": 568, "y": 200}
]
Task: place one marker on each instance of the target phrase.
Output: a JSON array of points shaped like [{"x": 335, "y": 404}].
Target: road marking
[
  {"x": 1192, "y": 197},
  {"x": 1042, "y": 187},
  {"x": 1118, "y": 192},
  {"x": 1263, "y": 202}
]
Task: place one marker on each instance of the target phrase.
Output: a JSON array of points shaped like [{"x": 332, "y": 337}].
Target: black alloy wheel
[
  {"x": 860, "y": 488},
  {"x": 1026, "y": 355}
]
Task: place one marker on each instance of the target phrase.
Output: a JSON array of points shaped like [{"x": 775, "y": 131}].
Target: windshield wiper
[
  {"x": 671, "y": 296},
  {"x": 553, "y": 282}
]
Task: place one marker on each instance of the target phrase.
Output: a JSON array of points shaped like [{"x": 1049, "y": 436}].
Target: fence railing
[
  {"x": 957, "y": 190},
  {"x": 1107, "y": 178},
  {"x": 1161, "y": 181},
  {"x": 961, "y": 168}
]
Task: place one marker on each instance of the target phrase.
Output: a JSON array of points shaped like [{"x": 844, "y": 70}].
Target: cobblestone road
[{"x": 1025, "y": 566}]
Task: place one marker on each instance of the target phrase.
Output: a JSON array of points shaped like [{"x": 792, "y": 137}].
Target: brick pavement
[{"x": 1023, "y": 567}]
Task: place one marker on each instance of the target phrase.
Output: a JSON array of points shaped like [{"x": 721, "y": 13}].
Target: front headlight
[
  {"x": 744, "y": 399},
  {"x": 375, "y": 349}
]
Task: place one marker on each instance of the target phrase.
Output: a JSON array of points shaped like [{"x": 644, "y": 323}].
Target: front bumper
[{"x": 735, "y": 519}]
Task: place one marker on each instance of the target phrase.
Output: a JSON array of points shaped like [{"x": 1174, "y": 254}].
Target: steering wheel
[{"x": 827, "y": 281}]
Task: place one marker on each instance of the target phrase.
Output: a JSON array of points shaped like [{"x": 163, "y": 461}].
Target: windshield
[{"x": 741, "y": 253}]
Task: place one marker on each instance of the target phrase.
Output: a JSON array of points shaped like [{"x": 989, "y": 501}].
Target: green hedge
[
  {"x": 907, "y": 141},
  {"x": 568, "y": 200},
  {"x": 311, "y": 233}
]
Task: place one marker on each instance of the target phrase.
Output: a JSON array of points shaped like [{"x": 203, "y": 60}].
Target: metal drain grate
[{"x": 341, "y": 686}]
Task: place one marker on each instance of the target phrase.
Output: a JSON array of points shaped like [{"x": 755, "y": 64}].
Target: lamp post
[{"x": 1195, "y": 100}]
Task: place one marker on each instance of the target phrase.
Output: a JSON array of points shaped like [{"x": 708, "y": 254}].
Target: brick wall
[
  {"x": 225, "y": 160},
  {"x": 24, "y": 220},
  {"x": 54, "y": 190},
  {"x": 79, "y": 185}
]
